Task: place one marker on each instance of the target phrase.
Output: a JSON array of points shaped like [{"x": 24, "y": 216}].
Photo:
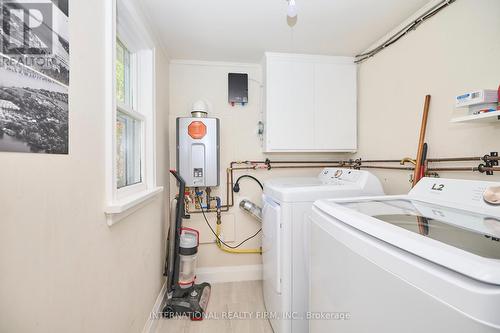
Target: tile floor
[{"x": 237, "y": 299}]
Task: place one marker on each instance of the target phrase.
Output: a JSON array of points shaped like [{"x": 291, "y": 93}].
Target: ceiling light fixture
[{"x": 292, "y": 9}]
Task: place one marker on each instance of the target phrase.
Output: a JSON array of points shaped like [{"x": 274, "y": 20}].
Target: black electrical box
[{"x": 238, "y": 88}]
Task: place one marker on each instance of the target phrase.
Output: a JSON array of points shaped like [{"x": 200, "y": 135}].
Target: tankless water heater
[{"x": 198, "y": 160}]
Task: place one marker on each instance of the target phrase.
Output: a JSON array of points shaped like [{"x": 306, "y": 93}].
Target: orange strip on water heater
[{"x": 197, "y": 130}]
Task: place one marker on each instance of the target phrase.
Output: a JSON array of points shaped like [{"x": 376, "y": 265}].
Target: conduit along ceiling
[{"x": 242, "y": 30}]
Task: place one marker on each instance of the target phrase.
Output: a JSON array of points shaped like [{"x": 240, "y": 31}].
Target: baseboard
[
  {"x": 229, "y": 274},
  {"x": 152, "y": 322}
]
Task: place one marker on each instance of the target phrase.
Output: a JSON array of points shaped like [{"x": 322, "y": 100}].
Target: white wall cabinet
[{"x": 309, "y": 103}]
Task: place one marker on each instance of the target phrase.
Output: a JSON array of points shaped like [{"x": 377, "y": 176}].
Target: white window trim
[{"x": 120, "y": 203}]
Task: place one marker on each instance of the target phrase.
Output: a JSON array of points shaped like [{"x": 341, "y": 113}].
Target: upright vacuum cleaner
[{"x": 183, "y": 296}]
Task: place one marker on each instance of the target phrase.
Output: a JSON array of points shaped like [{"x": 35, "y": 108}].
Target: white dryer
[
  {"x": 428, "y": 261},
  {"x": 284, "y": 243}
]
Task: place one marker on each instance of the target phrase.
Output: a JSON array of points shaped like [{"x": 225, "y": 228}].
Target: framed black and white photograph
[{"x": 34, "y": 76}]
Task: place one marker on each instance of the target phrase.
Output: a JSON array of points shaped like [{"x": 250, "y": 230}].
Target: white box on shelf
[{"x": 484, "y": 96}]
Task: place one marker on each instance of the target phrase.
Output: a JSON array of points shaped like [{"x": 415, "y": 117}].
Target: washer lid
[
  {"x": 309, "y": 189},
  {"x": 472, "y": 232},
  {"x": 465, "y": 241},
  {"x": 330, "y": 183}
]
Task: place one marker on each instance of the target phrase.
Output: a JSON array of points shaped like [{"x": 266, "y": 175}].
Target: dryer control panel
[
  {"x": 350, "y": 177},
  {"x": 333, "y": 175}
]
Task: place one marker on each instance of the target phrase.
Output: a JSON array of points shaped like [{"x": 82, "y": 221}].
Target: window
[
  {"x": 130, "y": 118},
  {"x": 123, "y": 70},
  {"x": 128, "y": 151},
  {"x": 129, "y": 122}
]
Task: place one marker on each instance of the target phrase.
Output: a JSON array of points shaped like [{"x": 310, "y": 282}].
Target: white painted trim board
[{"x": 224, "y": 274}]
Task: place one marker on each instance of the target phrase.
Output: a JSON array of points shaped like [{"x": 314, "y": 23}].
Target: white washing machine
[
  {"x": 428, "y": 261},
  {"x": 284, "y": 243}
]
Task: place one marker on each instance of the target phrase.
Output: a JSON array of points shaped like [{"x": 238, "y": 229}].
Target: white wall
[
  {"x": 454, "y": 52},
  {"x": 62, "y": 269},
  {"x": 191, "y": 81}
]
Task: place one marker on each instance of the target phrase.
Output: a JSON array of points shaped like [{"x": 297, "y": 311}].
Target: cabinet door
[
  {"x": 335, "y": 108},
  {"x": 290, "y": 92}
]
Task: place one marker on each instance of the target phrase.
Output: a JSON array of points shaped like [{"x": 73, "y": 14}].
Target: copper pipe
[
  {"x": 243, "y": 168},
  {"x": 454, "y": 159},
  {"x": 304, "y": 166},
  {"x": 387, "y": 167},
  {"x": 473, "y": 169},
  {"x": 352, "y": 164},
  {"x": 379, "y": 161},
  {"x": 483, "y": 169},
  {"x": 464, "y": 159},
  {"x": 294, "y": 162},
  {"x": 230, "y": 181},
  {"x": 350, "y": 161},
  {"x": 291, "y": 167},
  {"x": 423, "y": 128}
]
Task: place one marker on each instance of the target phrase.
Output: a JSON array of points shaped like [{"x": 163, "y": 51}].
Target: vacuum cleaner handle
[
  {"x": 177, "y": 176},
  {"x": 182, "y": 182},
  {"x": 175, "y": 230},
  {"x": 182, "y": 188}
]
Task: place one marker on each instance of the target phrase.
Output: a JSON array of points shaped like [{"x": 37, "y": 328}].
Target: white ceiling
[{"x": 241, "y": 30}]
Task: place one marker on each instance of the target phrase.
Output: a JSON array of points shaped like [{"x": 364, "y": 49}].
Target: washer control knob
[{"x": 492, "y": 195}]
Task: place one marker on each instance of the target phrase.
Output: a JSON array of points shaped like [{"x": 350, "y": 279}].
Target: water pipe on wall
[{"x": 489, "y": 166}]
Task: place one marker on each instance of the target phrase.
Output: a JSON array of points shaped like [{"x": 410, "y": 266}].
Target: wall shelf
[{"x": 489, "y": 117}]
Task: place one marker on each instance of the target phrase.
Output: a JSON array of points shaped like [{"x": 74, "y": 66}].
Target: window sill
[{"x": 118, "y": 210}]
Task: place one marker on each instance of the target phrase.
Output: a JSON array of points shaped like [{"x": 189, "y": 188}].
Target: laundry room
[{"x": 283, "y": 166}]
